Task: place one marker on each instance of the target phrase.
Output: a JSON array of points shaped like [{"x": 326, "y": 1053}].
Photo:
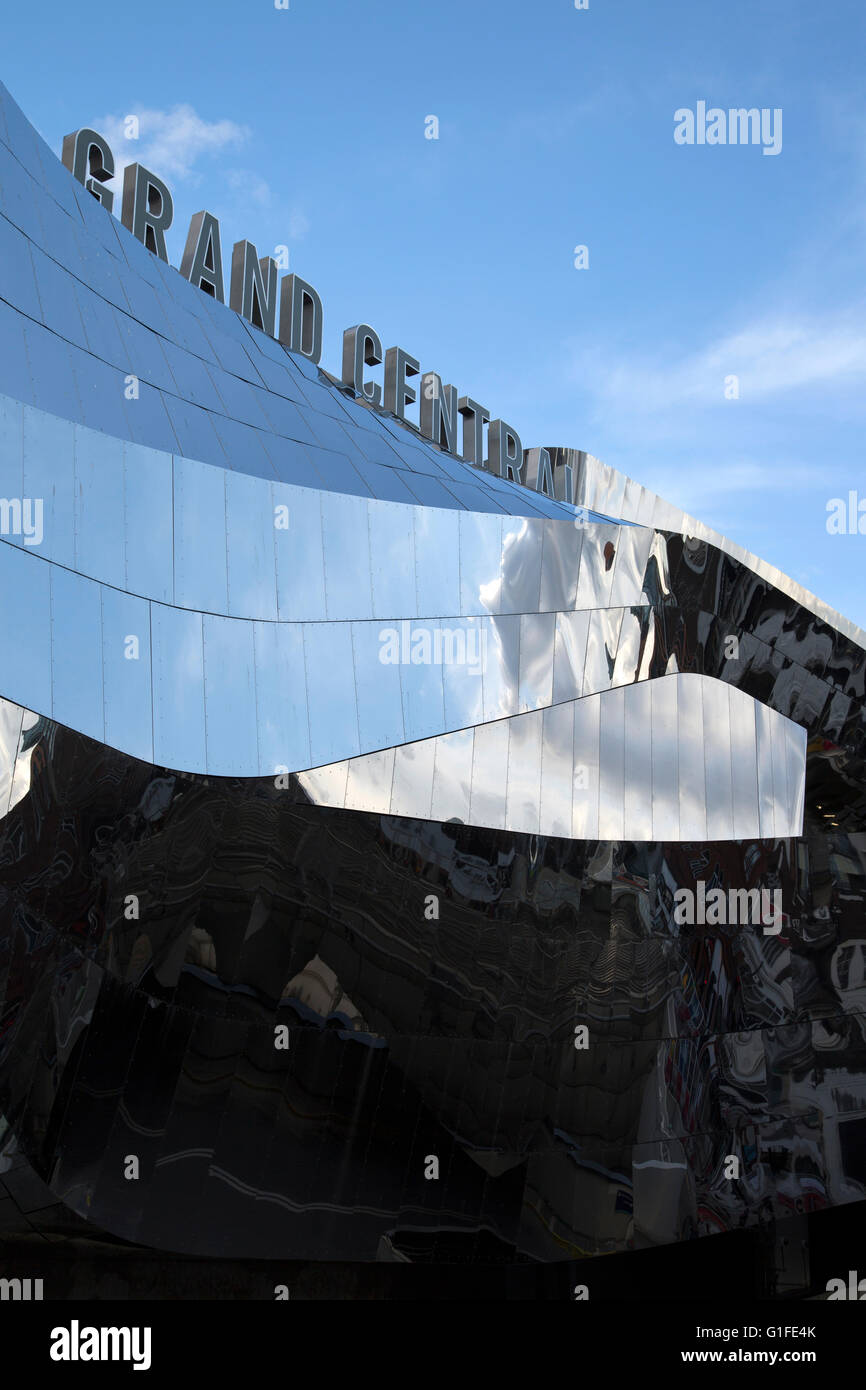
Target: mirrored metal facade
[{"x": 360, "y": 809}]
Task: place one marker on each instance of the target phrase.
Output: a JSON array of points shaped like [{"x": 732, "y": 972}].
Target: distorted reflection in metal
[
  {"x": 256, "y": 908},
  {"x": 317, "y": 727}
]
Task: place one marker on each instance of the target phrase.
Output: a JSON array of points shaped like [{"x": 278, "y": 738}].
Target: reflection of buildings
[
  {"x": 167, "y": 903},
  {"x": 269, "y": 908}
]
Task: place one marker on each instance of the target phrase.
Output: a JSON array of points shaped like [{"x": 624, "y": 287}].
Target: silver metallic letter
[
  {"x": 505, "y": 451},
  {"x": 254, "y": 287},
  {"x": 567, "y": 467},
  {"x": 202, "y": 262},
  {"x": 475, "y": 417},
  {"x": 147, "y": 208},
  {"x": 399, "y": 365},
  {"x": 539, "y": 473},
  {"x": 361, "y": 344},
  {"x": 300, "y": 317},
  {"x": 439, "y": 412},
  {"x": 85, "y": 151},
  {"x": 563, "y": 481}
]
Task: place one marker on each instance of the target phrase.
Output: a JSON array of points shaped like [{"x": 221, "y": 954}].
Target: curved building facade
[{"x": 396, "y": 862}]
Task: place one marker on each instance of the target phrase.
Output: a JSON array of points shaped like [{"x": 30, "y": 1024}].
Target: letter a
[
  {"x": 684, "y": 910},
  {"x": 684, "y": 134},
  {"x": 59, "y": 1349},
  {"x": 837, "y": 521}
]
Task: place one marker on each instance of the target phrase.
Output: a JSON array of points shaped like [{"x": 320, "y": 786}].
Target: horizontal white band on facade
[{"x": 683, "y": 757}]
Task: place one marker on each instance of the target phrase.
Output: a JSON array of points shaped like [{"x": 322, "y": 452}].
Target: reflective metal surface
[
  {"x": 304, "y": 720},
  {"x": 326, "y": 920},
  {"x": 617, "y": 766}
]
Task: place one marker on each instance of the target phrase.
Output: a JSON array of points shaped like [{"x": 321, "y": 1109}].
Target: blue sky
[{"x": 306, "y": 127}]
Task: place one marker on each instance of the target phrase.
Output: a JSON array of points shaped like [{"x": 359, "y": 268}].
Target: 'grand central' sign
[{"x": 256, "y": 292}]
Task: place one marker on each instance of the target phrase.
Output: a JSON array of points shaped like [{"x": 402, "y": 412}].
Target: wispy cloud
[
  {"x": 769, "y": 357},
  {"x": 254, "y": 189},
  {"x": 169, "y": 142},
  {"x": 177, "y": 145},
  {"x": 751, "y": 473},
  {"x": 724, "y": 488}
]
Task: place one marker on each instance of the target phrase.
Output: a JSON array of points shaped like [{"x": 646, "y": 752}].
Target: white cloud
[
  {"x": 299, "y": 224},
  {"x": 707, "y": 489},
  {"x": 169, "y": 142},
  {"x": 254, "y": 189},
  {"x": 291, "y": 222},
  {"x": 770, "y": 356}
]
